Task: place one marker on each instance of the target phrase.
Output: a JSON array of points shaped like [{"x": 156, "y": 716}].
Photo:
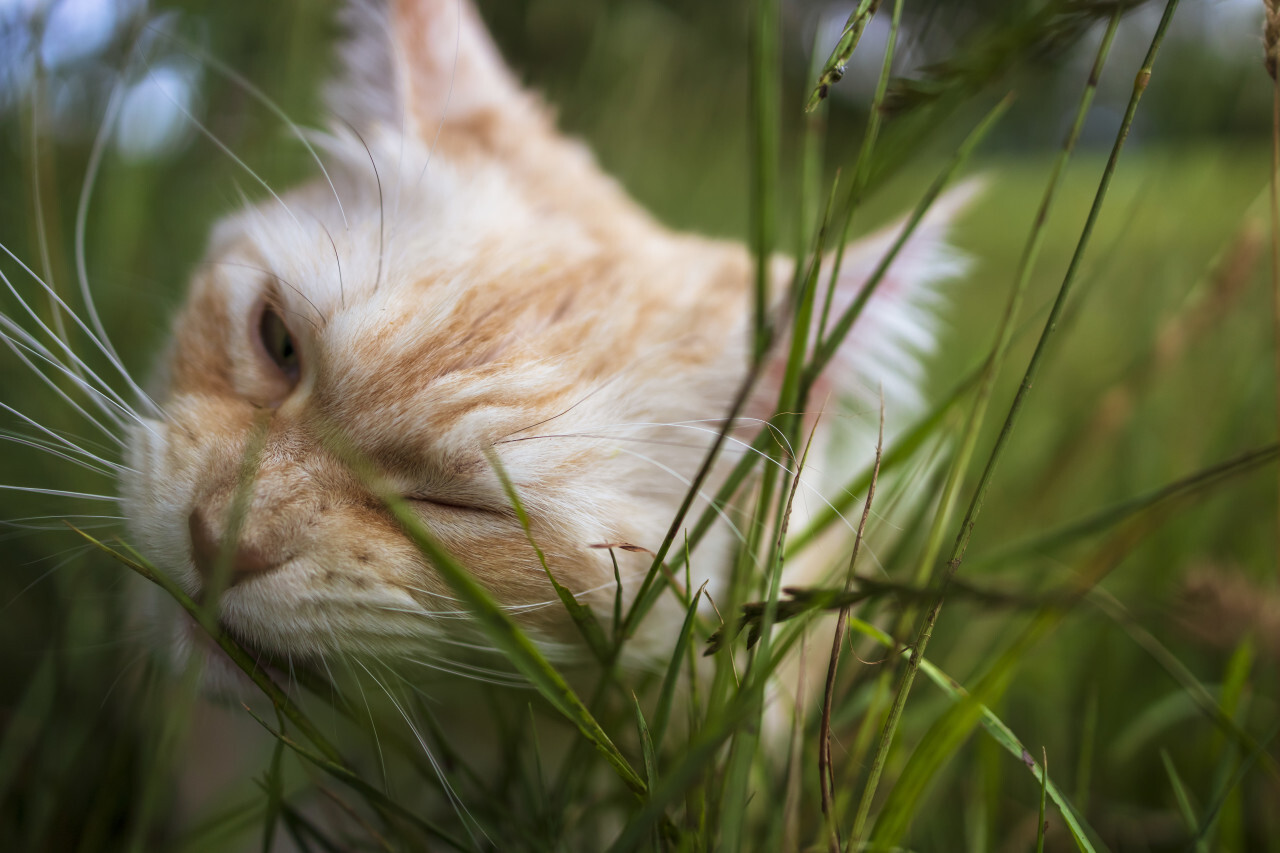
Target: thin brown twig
[{"x": 826, "y": 778}]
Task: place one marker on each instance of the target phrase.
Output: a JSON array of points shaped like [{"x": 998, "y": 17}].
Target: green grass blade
[
  {"x": 358, "y": 784},
  {"x": 968, "y": 441},
  {"x": 1110, "y": 516},
  {"x": 766, "y": 141},
  {"x": 998, "y": 732},
  {"x": 274, "y": 786},
  {"x": 1185, "y": 809},
  {"x": 1041, "y": 825},
  {"x": 825, "y": 350},
  {"x": 646, "y": 745},
  {"x": 667, "y": 694},
  {"x": 583, "y": 617},
  {"x": 507, "y": 637},
  {"x": 833, "y": 69}
]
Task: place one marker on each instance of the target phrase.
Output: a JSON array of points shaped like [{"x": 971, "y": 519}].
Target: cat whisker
[
  {"x": 56, "y": 522},
  {"x": 68, "y": 555},
  {"x": 29, "y": 441},
  {"x": 15, "y": 328},
  {"x": 337, "y": 260},
  {"x": 459, "y": 807},
  {"x": 382, "y": 209},
  {"x": 448, "y": 95},
  {"x": 99, "y": 344},
  {"x": 114, "y": 104},
  {"x": 261, "y": 97},
  {"x": 733, "y": 528},
  {"x": 373, "y": 725},
  {"x": 507, "y": 607},
  {"x": 60, "y": 493},
  {"x": 745, "y": 446},
  {"x": 104, "y": 402},
  {"x": 225, "y": 149},
  {"x": 20, "y": 341},
  {"x": 475, "y": 673},
  {"x": 61, "y": 441}
]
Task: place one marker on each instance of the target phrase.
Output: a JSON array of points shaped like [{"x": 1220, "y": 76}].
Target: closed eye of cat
[{"x": 449, "y": 503}]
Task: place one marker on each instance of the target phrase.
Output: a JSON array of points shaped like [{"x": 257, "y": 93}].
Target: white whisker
[
  {"x": 225, "y": 149},
  {"x": 104, "y": 402},
  {"x": 262, "y": 98},
  {"x": 689, "y": 482},
  {"x": 459, "y": 807},
  {"x": 29, "y": 441},
  {"x": 115, "y": 361},
  {"x": 68, "y": 556},
  {"x": 114, "y": 105},
  {"x": 61, "y": 440},
  {"x": 58, "y": 493},
  {"x": 56, "y": 522},
  {"x": 474, "y": 673}
]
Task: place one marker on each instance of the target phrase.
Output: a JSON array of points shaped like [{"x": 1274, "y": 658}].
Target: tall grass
[{"x": 1088, "y": 618}]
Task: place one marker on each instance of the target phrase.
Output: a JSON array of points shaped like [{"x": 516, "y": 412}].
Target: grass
[{"x": 1091, "y": 682}]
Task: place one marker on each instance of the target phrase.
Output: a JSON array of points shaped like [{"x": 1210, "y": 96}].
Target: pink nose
[{"x": 206, "y": 549}]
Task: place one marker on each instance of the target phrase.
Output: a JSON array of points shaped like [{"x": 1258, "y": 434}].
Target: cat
[
  {"x": 460, "y": 295},
  {"x": 463, "y": 284}
]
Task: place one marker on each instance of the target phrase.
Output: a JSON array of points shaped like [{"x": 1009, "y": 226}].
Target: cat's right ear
[{"x": 417, "y": 65}]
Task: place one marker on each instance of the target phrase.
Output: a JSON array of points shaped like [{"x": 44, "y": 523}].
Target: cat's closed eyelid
[{"x": 450, "y": 504}]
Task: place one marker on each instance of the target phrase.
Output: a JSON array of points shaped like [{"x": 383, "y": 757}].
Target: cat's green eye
[{"x": 278, "y": 342}]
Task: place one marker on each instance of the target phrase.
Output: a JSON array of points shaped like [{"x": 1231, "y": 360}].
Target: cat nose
[{"x": 206, "y": 550}]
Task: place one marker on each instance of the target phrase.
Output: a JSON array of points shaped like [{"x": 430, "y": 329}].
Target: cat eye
[{"x": 278, "y": 342}]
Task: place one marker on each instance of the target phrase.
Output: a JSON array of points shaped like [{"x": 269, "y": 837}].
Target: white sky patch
[
  {"x": 153, "y": 119},
  {"x": 76, "y": 29}
]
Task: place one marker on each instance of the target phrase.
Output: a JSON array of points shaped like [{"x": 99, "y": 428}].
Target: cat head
[{"x": 460, "y": 288}]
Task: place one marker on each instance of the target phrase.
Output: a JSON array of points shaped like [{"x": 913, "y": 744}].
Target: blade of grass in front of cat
[
  {"x": 1225, "y": 828},
  {"x": 969, "y": 438},
  {"x": 997, "y": 730},
  {"x": 353, "y": 780},
  {"x": 512, "y": 642},
  {"x": 1041, "y": 824},
  {"x": 825, "y": 349},
  {"x": 1183, "y": 800},
  {"x": 862, "y": 165},
  {"x": 583, "y": 616},
  {"x": 833, "y": 69},
  {"x": 273, "y": 784},
  {"x": 666, "y": 694},
  {"x": 766, "y": 69}
]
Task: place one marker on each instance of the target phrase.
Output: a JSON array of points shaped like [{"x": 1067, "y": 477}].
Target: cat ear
[
  {"x": 416, "y": 65},
  {"x": 885, "y": 349}
]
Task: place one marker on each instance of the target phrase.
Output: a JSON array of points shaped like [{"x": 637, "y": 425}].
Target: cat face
[
  {"x": 453, "y": 297},
  {"x": 461, "y": 288}
]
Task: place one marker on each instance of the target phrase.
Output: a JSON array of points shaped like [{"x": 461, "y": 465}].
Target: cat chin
[{"x": 191, "y": 647}]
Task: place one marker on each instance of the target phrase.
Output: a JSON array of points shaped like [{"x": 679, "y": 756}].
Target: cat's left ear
[
  {"x": 883, "y": 353},
  {"x": 419, "y": 65}
]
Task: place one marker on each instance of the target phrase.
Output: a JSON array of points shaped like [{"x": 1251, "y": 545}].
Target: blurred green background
[{"x": 1165, "y": 366}]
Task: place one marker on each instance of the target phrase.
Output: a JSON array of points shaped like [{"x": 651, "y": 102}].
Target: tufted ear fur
[{"x": 420, "y": 65}]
